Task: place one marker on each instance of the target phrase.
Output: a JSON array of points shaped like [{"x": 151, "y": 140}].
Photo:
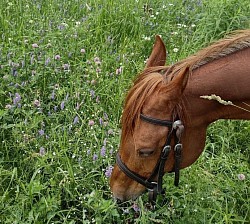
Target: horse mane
[
  {"x": 234, "y": 42},
  {"x": 147, "y": 82}
]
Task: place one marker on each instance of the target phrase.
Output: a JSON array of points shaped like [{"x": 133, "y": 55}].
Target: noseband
[{"x": 155, "y": 188}]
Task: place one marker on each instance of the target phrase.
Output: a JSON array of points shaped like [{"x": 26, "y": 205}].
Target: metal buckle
[
  {"x": 177, "y": 150},
  {"x": 165, "y": 151}
]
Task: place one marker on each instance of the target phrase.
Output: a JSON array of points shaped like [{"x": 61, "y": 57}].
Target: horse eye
[{"x": 145, "y": 152}]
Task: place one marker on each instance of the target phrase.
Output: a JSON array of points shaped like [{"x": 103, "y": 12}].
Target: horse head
[{"x": 153, "y": 95}]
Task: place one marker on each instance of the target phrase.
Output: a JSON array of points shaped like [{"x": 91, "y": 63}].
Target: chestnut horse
[{"x": 166, "y": 99}]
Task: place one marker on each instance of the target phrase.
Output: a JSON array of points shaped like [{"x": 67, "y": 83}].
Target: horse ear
[
  {"x": 158, "y": 55},
  {"x": 180, "y": 80}
]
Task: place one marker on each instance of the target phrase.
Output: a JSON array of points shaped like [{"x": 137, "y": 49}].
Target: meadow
[{"x": 65, "y": 68}]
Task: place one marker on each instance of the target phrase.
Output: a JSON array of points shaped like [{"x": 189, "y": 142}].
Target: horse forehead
[{"x": 158, "y": 102}]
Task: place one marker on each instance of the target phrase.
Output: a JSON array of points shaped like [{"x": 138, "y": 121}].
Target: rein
[{"x": 155, "y": 188}]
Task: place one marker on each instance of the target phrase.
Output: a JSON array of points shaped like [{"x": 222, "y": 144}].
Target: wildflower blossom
[
  {"x": 108, "y": 171},
  {"x": 62, "y": 105},
  {"x": 66, "y": 66},
  {"x": 57, "y": 57},
  {"x": 175, "y": 50},
  {"x": 103, "y": 151},
  {"x": 98, "y": 70},
  {"x": 92, "y": 93},
  {"x": 241, "y": 176},
  {"x": 47, "y": 61},
  {"x": 42, "y": 151},
  {"x": 91, "y": 122},
  {"x": 41, "y": 132},
  {"x": 14, "y": 72},
  {"x": 76, "y": 120},
  {"x": 53, "y": 95},
  {"x": 118, "y": 71},
  {"x": 8, "y": 106},
  {"x": 16, "y": 99},
  {"x": 101, "y": 121},
  {"x": 95, "y": 157},
  {"x": 83, "y": 51},
  {"x": 97, "y": 60},
  {"x": 136, "y": 207},
  {"x": 36, "y": 103},
  {"x": 110, "y": 132},
  {"x": 35, "y": 45}
]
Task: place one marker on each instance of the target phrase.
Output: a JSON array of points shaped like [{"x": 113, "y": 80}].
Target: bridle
[{"x": 154, "y": 188}]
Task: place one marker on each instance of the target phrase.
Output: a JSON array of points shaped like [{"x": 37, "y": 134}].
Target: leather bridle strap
[
  {"x": 138, "y": 178},
  {"x": 155, "y": 188},
  {"x": 156, "y": 121}
]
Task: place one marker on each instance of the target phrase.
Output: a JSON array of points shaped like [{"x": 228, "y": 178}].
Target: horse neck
[{"x": 227, "y": 77}]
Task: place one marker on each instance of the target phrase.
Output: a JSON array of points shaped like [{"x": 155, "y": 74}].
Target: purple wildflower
[
  {"x": 76, "y": 120},
  {"x": 42, "y": 151},
  {"x": 98, "y": 70},
  {"x": 36, "y": 103},
  {"x": 103, "y": 151},
  {"x": 57, "y": 57},
  {"x": 53, "y": 95},
  {"x": 136, "y": 207},
  {"x": 62, "y": 105},
  {"x": 41, "y": 132},
  {"x": 47, "y": 61},
  {"x": 67, "y": 96},
  {"x": 111, "y": 151},
  {"x": 108, "y": 171},
  {"x": 97, "y": 60},
  {"x": 16, "y": 99},
  {"x": 95, "y": 157},
  {"x": 92, "y": 93},
  {"x": 91, "y": 122},
  {"x": 101, "y": 121},
  {"x": 66, "y": 66},
  {"x": 14, "y": 72}
]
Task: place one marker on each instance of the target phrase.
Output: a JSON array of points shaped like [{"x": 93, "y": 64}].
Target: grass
[{"x": 65, "y": 67}]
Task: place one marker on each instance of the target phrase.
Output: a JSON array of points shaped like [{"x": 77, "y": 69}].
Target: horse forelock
[{"x": 144, "y": 86}]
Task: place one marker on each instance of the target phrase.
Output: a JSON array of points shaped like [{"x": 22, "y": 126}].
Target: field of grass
[{"x": 65, "y": 67}]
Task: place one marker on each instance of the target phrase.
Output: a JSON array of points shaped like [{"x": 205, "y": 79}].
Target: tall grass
[{"x": 65, "y": 67}]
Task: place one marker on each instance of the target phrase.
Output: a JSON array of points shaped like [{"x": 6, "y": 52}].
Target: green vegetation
[{"x": 65, "y": 67}]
